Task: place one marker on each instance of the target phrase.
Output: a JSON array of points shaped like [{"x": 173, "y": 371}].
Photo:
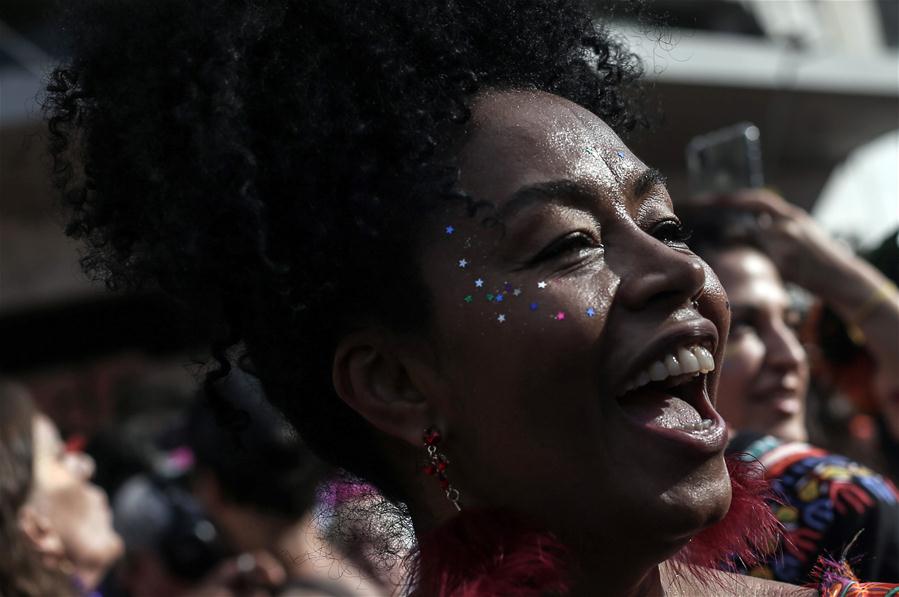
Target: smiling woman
[
  {"x": 421, "y": 224},
  {"x": 553, "y": 382},
  {"x": 55, "y": 526}
]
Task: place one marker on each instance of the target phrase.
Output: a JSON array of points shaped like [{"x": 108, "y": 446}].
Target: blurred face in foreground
[
  {"x": 765, "y": 374},
  {"x": 576, "y": 373},
  {"x": 76, "y": 521}
]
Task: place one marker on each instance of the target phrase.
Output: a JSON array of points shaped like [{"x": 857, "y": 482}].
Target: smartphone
[{"x": 725, "y": 160}]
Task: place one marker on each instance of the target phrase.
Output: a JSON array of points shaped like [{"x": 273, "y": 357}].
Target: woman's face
[
  {"x": 764, "y": 378},
  {"x": 75, "y": 510},
  {"x": 545, "y": 324}
]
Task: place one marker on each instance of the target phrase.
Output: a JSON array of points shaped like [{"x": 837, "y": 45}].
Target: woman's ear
[
  {"x": 40, "y": 534},
  {"x": 374, "y": 376}
]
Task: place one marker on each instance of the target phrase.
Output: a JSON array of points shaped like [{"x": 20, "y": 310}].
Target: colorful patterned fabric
[
  {"x": 829, "y": 506},
  {"x": 861, "y": 589},
  {"x": 836, "y": 579}
]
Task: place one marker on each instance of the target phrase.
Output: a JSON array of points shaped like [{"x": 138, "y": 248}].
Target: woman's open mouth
[{"x": 670, "y": 398}]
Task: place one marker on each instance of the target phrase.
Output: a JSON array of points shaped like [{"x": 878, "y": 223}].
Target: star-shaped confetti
[
  {"x": 499, "y": 298},
  {"x": 468, "y": 298},
  {"x": 516, "y": 292},
  {"x": 534, "y": 306},
  {"x": 490, "y": 297},
  {"x": 591, "y": 312},
  {"x": 541, "y": 284},
  {"x": 479, "y": 283},
  {"x": 501, "y": 318},
  {"x": 450, "y": 229},
  {"x": 463, "y": 263},
  {"x": 559, "y": 316},
  {"x": 620, "y": 153}
]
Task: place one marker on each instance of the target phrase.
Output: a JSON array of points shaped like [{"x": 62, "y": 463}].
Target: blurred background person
[
  {"x": 170, "y": 543},
  {"x": 259, "y": 483},
  {"x": 755, "y": 241},
  {"x": 57, "y": 534},
  {"x": 832, "y": 506},
  {"x": 859, "y": 406}
]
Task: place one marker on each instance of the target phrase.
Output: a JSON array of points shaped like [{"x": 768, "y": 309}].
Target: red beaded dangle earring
[{"x": 437, "y": 464}]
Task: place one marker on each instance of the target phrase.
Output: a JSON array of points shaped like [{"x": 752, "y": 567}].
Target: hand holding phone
[{"x": 725, "y": 161}]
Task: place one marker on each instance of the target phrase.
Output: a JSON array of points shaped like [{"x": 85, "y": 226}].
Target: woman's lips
[
  {"x": 783, "y": 400},
  {"x": 787, "y": 405}
]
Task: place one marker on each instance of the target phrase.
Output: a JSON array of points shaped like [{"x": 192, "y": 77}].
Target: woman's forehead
[
  {"x": 46, "y": 435},
  {"x": 519, "y": 138},
  {"x": 748, "y": 276}
]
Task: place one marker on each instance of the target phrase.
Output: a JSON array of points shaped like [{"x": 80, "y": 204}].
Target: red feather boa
[{"x": 490, "y": 554}]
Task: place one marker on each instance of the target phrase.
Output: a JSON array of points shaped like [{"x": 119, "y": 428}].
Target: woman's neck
[{"x": 603, "y": 575}]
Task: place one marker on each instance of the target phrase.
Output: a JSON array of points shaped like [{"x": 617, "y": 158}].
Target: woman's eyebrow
[
  {"x": 744, "y": 311},
  {"x": 645, "y": 181},
  {"x": 562, "y": 191},
  {"x": 573, "y": 193}
]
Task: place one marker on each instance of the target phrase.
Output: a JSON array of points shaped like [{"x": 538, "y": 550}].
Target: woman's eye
[
  {"x": 574, "y": 242},
  {"x": 741, "y": 326},
  {"x": 671, "y": 232},
  {"x": 793, "y": 319}
]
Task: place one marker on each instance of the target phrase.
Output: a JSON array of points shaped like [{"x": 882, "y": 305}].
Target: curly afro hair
[{"x": 267, "y": 160}]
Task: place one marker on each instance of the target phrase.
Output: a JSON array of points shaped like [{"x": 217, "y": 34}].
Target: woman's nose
[
  {"x": 783, "y": 347},
  {"x": 80, "y": 464},
  {"x": 660, "y": 274}
]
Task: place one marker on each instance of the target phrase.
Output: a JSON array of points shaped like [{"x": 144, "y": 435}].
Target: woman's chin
[
  {"x": 701, "y": 500},
  {"x": 94, "y": 557}
]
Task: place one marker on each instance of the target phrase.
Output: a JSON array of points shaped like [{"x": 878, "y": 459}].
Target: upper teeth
[{"x": 691, "y": 359}]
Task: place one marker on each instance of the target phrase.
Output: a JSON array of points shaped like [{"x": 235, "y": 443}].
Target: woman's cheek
[{"x": 82, "y": 518}]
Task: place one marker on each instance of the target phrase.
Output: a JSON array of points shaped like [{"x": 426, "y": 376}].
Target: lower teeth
[{"x": 703, "y": 426}]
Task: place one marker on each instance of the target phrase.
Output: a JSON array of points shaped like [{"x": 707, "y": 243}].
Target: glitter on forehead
[
  {"x": 463, "y": 263},
  {"x": 479, "y": 283},
  {"x": 468, "y": 298},
  {"x": 501, "y": 318},
  {"x": 559, "y": 316},
  {"x": 490, "y": 296},
  {"x": 450, "y": 229},
  {"x": 499, "y": 297},
  {"x": 534, "y": 306},
  {"x": 517, "y": 292},
  {"x": 591, "y": 312},
  {"x": 541, "y": 284},
  {"x": 620, "y": 153}
]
